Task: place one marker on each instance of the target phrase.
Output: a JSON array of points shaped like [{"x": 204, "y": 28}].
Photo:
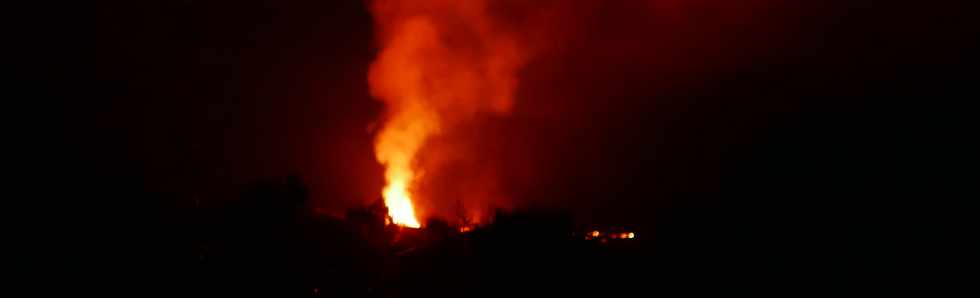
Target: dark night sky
[{"x": 707, "y": 110}]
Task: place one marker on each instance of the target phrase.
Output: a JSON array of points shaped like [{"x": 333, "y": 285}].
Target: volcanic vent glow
[{"x": 441, "y": 62}]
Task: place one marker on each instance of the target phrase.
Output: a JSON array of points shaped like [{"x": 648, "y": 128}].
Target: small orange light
[
  {"x": 595, "y": 233},
  {"x": 631, "y": 235}
]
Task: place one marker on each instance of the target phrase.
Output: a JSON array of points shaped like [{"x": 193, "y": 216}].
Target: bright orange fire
[
  {"x": 441, "y": 62},
  {"x": 400, "y": 204}
]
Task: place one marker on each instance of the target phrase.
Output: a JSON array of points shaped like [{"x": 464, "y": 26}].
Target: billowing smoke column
[{"x": 441, "y": 62}]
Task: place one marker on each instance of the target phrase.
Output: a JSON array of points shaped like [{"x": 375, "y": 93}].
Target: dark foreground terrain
[{"x": 268, "y": 243}]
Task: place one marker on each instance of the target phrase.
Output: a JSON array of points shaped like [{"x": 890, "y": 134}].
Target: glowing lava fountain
[
  {"x": 441, "y": 62},
  {"x": 400, "y": 204}
]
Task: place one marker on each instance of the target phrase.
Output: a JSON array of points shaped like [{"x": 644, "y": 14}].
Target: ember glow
[
  {"x": 440, "y": 63},
  {"x": 603, "y": 237}
]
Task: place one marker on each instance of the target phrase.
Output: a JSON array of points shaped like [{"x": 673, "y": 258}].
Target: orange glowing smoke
[{"x": 440, "y": 63}]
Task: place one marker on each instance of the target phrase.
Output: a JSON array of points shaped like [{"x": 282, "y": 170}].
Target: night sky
[{"x": 764, "y": 117}]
